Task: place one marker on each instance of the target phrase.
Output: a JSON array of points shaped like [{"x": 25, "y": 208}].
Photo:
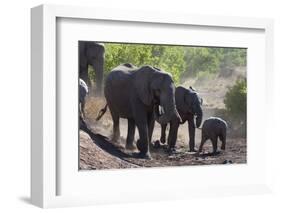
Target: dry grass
[
  {"x": 213, "y": 90},
  {"x": 92, "y": 108}
]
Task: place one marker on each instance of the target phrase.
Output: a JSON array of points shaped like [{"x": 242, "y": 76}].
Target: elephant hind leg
[
  {"x": 215, "y": 144},
  {"x": 116, "y": 128},
  {"x": 131, "y": 134},
  {"x": 223, "y": 140}
]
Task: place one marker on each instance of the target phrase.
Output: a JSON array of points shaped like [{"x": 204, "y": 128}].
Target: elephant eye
[{"x": 157, "y": 92}]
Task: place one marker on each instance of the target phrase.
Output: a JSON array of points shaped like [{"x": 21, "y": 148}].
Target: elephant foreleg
[
  {"x": 141, "y": 119},
  {"x": 173, "y": 134},
  {"x": 203, "y": 140},
  {"x": 191, "y": 130},
  {"x": 143, "y": 142},
  {"x": 131, "y": 134},
  {"x": 163, "y": 133}
]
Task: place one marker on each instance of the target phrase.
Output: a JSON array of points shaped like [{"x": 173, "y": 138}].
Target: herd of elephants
[{"x": 143, "y": 95}]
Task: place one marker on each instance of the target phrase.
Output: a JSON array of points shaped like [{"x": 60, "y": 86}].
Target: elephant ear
[
  {"x": 142, "y": 83},
  {"x": 188, "y": 100},
  {"x": 180, "y": 99}
]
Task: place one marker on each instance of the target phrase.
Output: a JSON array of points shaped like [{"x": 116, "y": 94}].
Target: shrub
[{"x": 236, "y": 99}]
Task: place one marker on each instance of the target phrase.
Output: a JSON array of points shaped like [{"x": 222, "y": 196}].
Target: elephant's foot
[
  {"x": 172, "y": 150},
  {"x": 131, "y": 147},
  {"x": 115, "y": 139},
  {"x": 144, "y": 151},
  {"x": 156, "y": 144},
  {"x": 151, "y": 145},
  {"x": 141, "y": 146},
  {"x": 223, "y": 147},
  {"x": 216, "y": 152},
  {"x": 192, "y": 150},
  {"x": 146, "y": 155},
  {"x": 162, "y": 140}
]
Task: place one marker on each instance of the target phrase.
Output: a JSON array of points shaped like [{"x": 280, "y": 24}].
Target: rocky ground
[{"x": 98, "y": 152}]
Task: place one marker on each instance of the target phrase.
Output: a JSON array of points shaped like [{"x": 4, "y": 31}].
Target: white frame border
[{"x": 43, "y": 90}]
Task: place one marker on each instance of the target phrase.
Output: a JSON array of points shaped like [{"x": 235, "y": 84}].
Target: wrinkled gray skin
[
  {"x": 189, "y": 106},
  {"x": 91, "y": 53},
  {"x": 133, "y": 93},
  {"x": 83, "y": 91},
  {"x": 214, "y": 128}
]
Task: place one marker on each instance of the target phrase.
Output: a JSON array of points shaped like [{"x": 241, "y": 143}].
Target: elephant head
[
  {"x": 194, "y": 104},
  {"x": 188, "y": 101},
  {"x": 156, "y": 87}
]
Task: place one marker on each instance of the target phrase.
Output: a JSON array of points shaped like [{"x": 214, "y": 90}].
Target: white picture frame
[{"x": 44, "y": 153}]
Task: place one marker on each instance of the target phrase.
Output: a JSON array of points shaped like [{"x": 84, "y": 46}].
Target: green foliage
[
  {"x": 168, "y": 58},
  {"x": 91, "y": 72},
  {"x": 180, "y": 61},
  {"x": 232, "y": 57},
  {"x": 236, "y": 99},
  {"x": 201, "y": 59},
  {"x": 212, "y": 59}
]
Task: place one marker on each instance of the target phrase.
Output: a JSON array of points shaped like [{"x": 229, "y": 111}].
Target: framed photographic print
[{"x": 133, "y": 106}]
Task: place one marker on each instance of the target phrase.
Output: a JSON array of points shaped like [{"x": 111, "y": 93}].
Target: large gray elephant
[
  {"x": 91, "y": 53},
  {"x": 134, "y": 93},
  {"x": 189, "y": 105}
]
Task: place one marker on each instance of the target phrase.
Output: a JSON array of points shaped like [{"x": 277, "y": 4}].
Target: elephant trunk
[
  {"x": 99, "y": 76},
  {"x": 199, "y": 116},
  {"x": 170, "y": 112}
]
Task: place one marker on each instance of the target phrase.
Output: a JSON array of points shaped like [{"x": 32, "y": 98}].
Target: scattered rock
[{"x": 227, "y": 162}]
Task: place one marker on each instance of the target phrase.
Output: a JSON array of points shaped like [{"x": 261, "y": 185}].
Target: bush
[{"x": 236, "y": 99}]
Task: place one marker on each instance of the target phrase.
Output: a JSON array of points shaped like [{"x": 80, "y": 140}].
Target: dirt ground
[{"x": 97, "y": 151}]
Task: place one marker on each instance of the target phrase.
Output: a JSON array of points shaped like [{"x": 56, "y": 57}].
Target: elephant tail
[{"x": 101, "y": 112}]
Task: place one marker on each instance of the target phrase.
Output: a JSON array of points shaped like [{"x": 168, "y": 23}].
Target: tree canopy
[{"x": 180, "y": 61}]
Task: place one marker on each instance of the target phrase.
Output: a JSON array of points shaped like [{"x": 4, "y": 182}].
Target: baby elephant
[{"x": 213, "y": 128}]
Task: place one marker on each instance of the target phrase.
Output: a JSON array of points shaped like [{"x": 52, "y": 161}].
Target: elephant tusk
[
  {"x": 161, "y": 110},
  {"x": 178, "y": 116}
]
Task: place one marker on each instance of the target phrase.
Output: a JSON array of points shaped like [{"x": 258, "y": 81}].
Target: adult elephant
[
  {"x": 189, "y": 106},
  {"x": 134, "y": 93},
  {"x": 91, "y": 53}
]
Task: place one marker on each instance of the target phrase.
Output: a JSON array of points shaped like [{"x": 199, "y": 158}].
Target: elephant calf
[
  {"x": 189, "y": 106},
  {"x": 83, "y": 91},
  {"x": 214, "y": 128}
]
